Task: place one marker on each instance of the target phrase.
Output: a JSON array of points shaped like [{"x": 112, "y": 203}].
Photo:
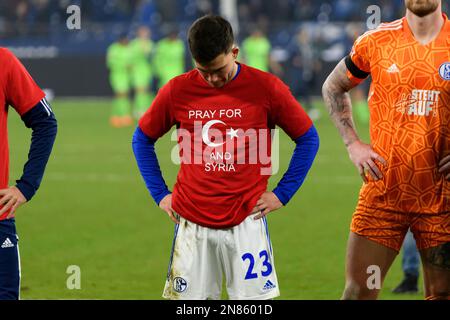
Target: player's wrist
[
  {"x": 160, "y": 199},
  {"x": 284, "y": 199},
  {"x": 351, "y": 142},
  {"x": 25, "y": 189}
]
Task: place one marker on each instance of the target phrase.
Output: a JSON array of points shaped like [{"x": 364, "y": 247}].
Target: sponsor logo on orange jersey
[{"x": 419, "y": 103}]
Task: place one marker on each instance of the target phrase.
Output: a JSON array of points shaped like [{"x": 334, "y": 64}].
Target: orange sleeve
[{"x": 358, "y": 61}]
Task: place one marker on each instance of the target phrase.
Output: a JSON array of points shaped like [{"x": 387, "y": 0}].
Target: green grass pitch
[{"x": 94, "y": 211}]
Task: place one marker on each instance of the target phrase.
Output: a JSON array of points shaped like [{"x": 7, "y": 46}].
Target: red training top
[
  {"x": 224, "y": 138},
  {"x": 18, "y": 90}
]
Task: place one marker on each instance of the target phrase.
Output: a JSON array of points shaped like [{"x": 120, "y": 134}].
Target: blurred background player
[
  {"x": 410, "y": 266},
  {"x": 19, "y": 91},
  {"x": 302, "y": 71},
  {"x": 142, "y": 48},
  {"x": 119, "y": 61},
  {"x": 169, "y": 58},
  {"x": 406, "y": 168},
  {"x": 256, "y": 49}
]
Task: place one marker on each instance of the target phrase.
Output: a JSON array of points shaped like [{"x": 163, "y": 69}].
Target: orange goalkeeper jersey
[{"x": 409, "y": 102}]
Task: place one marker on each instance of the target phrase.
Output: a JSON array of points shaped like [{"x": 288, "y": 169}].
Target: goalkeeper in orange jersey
[{"x": 406, "y": 168}]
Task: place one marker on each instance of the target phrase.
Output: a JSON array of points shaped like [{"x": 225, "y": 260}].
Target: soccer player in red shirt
[
  {"x": 223, "y": 111},
  {"x": 406, "y": 168},
  {"x": 20, "y": 91}
]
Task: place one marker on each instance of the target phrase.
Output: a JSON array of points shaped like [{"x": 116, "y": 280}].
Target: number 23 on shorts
[{"x": 267, "y": 267}]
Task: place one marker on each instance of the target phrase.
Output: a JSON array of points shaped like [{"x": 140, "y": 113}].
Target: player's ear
[{"x": 235, "y": 52}]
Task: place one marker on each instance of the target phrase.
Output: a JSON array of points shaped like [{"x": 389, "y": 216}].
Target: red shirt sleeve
[
  {"x": 158, "y": 119},
  {"x": 286, "y": 111},
  {"x": 22, "y": 93}
]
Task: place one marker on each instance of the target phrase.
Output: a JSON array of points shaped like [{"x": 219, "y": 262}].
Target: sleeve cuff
[
  {"x": 160, "y": 197},
  {"x": 26, "y": 189},
  {"x": 282, "y": 197}
]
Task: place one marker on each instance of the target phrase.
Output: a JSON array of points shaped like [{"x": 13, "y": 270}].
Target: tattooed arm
[{"x": 337, "y": 100}]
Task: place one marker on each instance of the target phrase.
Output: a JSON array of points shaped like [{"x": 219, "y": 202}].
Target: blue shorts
[{"x": 9, "y": 261}]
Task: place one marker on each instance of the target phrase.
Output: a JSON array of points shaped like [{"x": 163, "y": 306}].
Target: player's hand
[
  {"x": 268, "y": 202},
  {"x": 11, "y": 198},
  {"x": 444, "y": 167},
  {"x": 363, "y": 157},
  {"x": 166, "y": 205}
]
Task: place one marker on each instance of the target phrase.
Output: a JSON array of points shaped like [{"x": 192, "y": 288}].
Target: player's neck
[
  {"x": 232, "y": 74},
  {"x": 425, "y": 29},
  {"x": 235, "y": 69}
]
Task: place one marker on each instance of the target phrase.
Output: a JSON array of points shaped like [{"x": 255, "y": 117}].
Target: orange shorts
[{"x": 388, "y": 228}]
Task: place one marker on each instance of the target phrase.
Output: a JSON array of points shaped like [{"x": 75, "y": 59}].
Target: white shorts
[{"x": 201, "y": 256}]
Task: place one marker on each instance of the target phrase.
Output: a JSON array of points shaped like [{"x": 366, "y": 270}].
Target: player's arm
[
  {"x": 157, "y": 64},
  {"x": 156, "y": 122},
  {"x": 24, "y": 95},
  {"x": 337, "y": 99},
  {"x": 43, "y": 124},
  {"x": 336, "y": 96},
  {"x": 110, "y": 57},
  {"x": 287, "y": 113},
  {"x": 306, "y": 147},
  {"x": 444, "y": 167},
  {"x": 147, "y": 161}
]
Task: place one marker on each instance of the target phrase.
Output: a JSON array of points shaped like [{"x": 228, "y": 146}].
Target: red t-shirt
[
  {"x": 224, "y": 139},
  {"x": 20, "y": 91}
]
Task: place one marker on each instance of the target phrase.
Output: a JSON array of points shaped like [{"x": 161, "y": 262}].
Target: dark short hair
[{"x": 208, "y": 37}]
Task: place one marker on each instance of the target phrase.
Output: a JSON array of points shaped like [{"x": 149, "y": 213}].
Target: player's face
[
  {"x": 143, "y": 33},
  {"x": 422, "y": 8},
  {"x": 221, "y": 70}
]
